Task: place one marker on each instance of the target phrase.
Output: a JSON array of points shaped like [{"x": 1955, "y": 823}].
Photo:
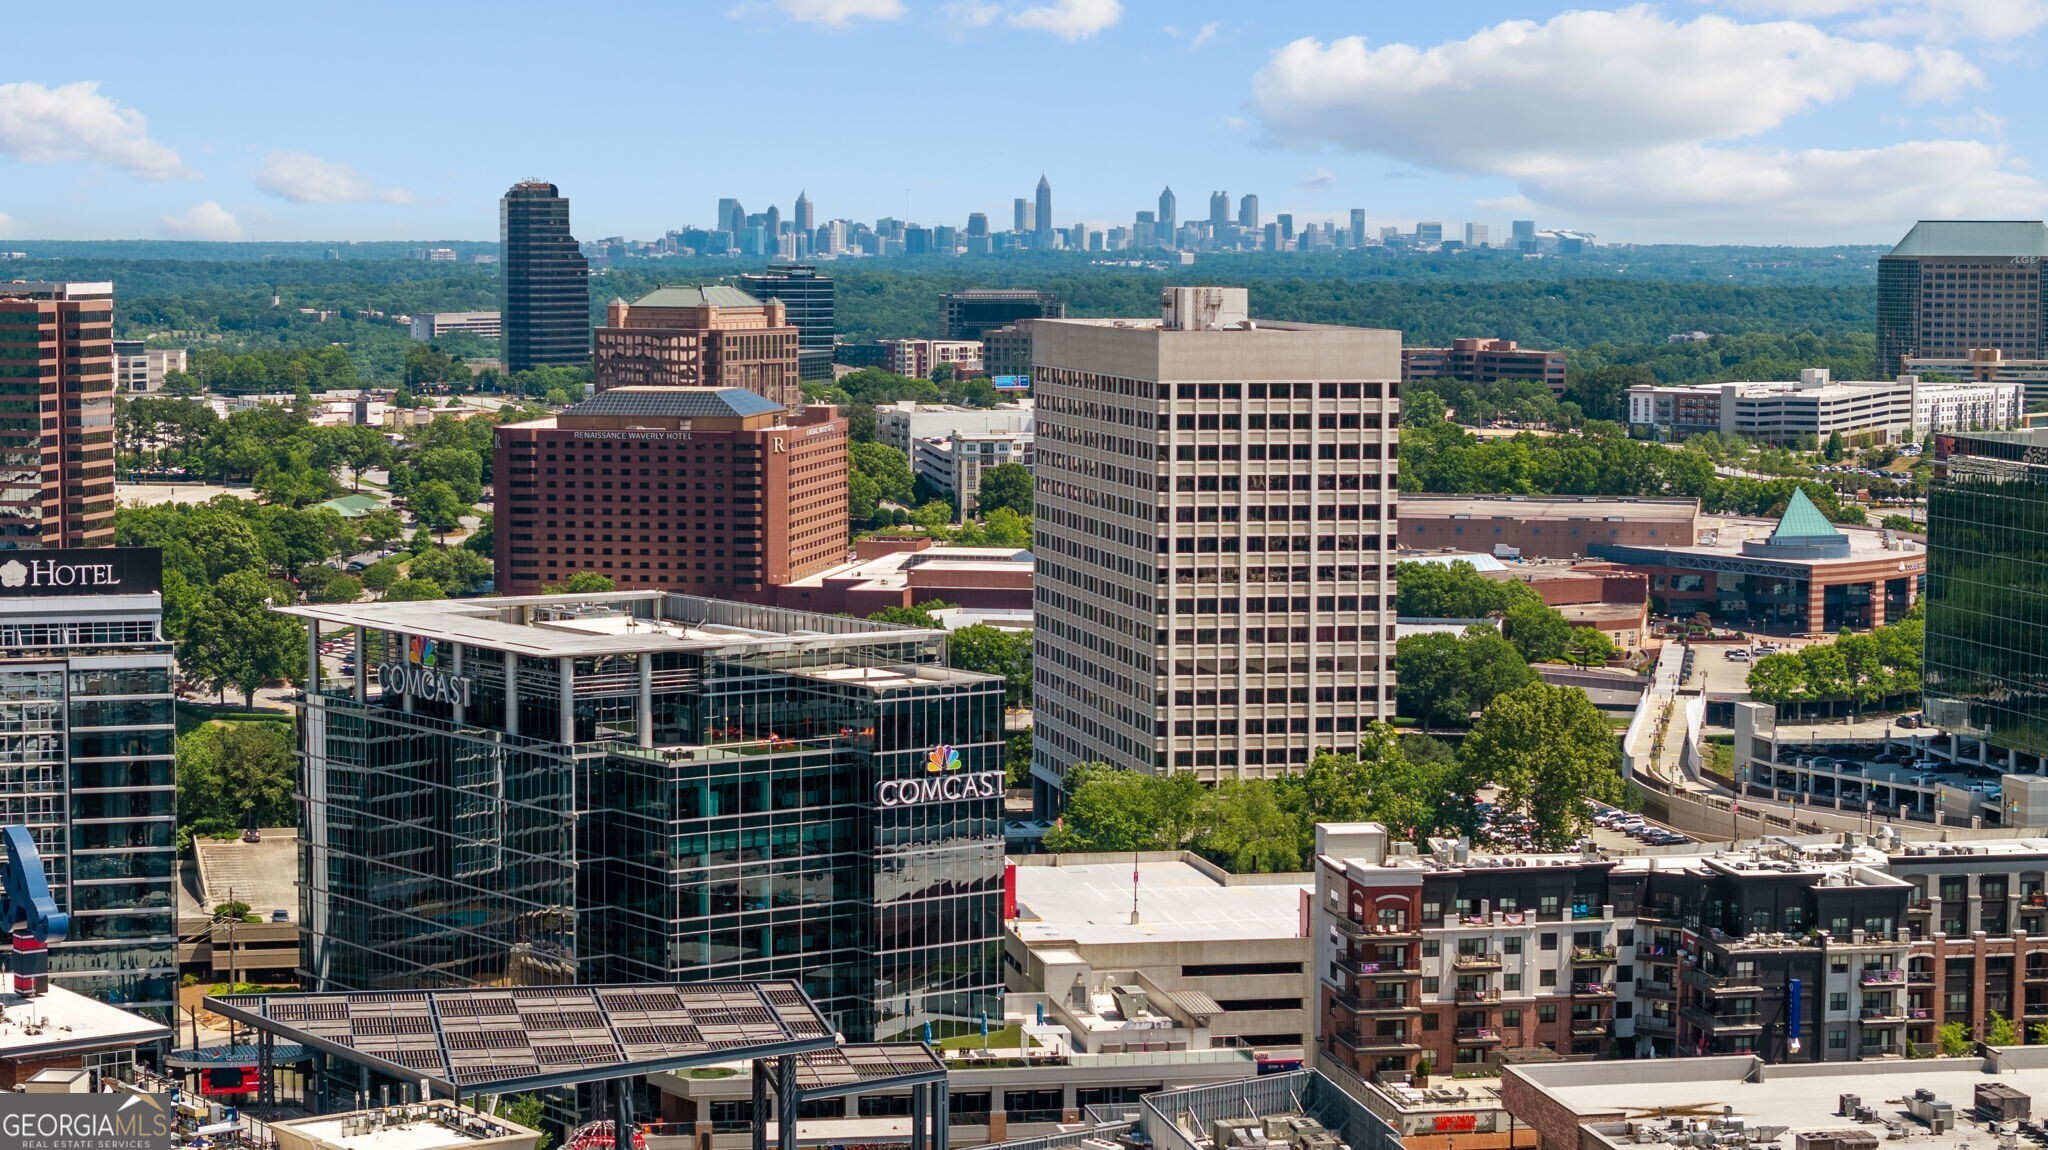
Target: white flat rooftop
[
  {"x": 419, "y": 1134},
  {"x": 1090, "y": 904},
  {"x": 1802, "y": 1097},
  {"x": 65, "y": 1020}
]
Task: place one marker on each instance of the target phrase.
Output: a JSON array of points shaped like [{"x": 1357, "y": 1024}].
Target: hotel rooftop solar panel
[{"x": 493, "y": 1040}]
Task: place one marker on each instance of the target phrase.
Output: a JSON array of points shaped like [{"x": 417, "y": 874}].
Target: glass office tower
[
  {"x": 640, "y": 786},
  {"x": 1986, "y": 669},
  {"x": 87, "y": 752},
  {"x": 807, "y": 297},
  {"x": 544, "y": 282}
]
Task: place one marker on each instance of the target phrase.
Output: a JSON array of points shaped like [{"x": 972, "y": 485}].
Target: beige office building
[{"x": 1214, "y": 588}]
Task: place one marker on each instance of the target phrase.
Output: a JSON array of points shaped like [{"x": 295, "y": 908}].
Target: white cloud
[
  {"x": 1584, "y": 84},
  {"x": 74, "y": 122},
  {"x": 1070, "y": 19},
  {"x": 304, "y": 178},
  {"x": 972, "y": 13},
  {"x": 1203, "y": 35},
  {"x": 207, "y": 221},
  {"x": 1941, "y": 20},
  {"x": 1976, "y": 123},
  {"x": 1320, "y": 180},
  {"x": 840, "y": 13},
  {"x": 1759, "y": 193},
  {"x": 1632, "y": 116}
]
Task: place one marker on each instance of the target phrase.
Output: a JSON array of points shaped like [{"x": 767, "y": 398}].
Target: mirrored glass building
[{"x": 645, "y": 786}]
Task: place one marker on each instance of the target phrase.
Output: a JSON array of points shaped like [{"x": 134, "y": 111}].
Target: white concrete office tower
[{"x": 1214, "y": 587}]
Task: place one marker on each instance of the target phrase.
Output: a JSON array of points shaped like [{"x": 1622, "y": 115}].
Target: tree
[
  {"x": 436, "y": 505},
  {"x": 1538, "y": 631},
  {"x": 235, "y": 639},
  {"x": 1117, "y": 810},
  {"x": 888, "y": 467},
  {"x": 1954, "y": 1039},
  {"x": 2000, "y": 1031},
  {"x": 914, "y": 616},
  {"x": 1006, "y": 485},
  {"x": 581, "y": 583},
  {"x": 1547, "y": 750},
  {"x": 2038, "y": 1034},
  {"x": 233, "y": 776},
  {"x": 410, "y": 589},
  {"x": 1832, "y": 450},
  {"x": 1248, "y": 830},
  {"x": 343, "y": 588},
  {"x": 992, "y": 652},
  {"x": 1454, "y": 590},
  {"x": 1017, "y": 759},
  {"x": 461, "y": 469},
  {"x": 528, "y": 1110},
  {"x": 380, "y": 576},
  {"x": 379, "y": 528},
  {"x": 863, "y": 495},
  {"x": 1443, "y": 678},
  {"x": 456, "y": 570},
  {"x": 355, "y": 446},
  {"x": 1589, "y": 647}
]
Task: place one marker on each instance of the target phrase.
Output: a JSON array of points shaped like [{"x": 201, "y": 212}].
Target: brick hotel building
[
  {"x": 707, "y": 491},
  {"x": 56, "y": 414}
]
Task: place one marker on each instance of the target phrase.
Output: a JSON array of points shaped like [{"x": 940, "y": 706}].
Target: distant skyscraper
[
  {"x": 1525, "y": 234},
  {"x": 977, "y": 223},
  {"x": 1219, "y": 210},
  {"x": 1476, "y": 235},
  {"x": 772, "y": 220},
  {"x": 1023, "y": 212},
  {"x": 804, "y": 217},
  {"x": 1151, "y": 636},
  {"x": 1042, "y": 214},
  {"x": 1429, "y": 232},
  {"x": 1358, "y": 227},
  {"x": 1145, "y": 231},
  {"x": 1168, "y": 218},
  {"x": 1286, "y": 222},
  {"x": 808, "y": 298},
  {"x": 1248, "y": 213},
  {"x": 544, "y": 283},
  {"x": 731, "y": 216}
]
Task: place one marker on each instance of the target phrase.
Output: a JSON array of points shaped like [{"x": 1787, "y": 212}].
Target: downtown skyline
[{"x": 1745, "y": 120}]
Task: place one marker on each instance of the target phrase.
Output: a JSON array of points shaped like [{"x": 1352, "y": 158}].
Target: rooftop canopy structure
[
  {"x": 507, "y": 1040},
  {"x": 1802, "y": 533}
]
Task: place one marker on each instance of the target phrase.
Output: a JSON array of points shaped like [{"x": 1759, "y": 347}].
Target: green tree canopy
[
  {"x": 992, "y": 652},
  {"x": 1006, "y": 485},
  {"x": 1547, "y": 750},
  {"x": 232, "y": 776}
]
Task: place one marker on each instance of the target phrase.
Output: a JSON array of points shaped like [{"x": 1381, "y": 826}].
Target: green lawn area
[
  {"x": 1721, "y": 754},
  {"x": 192, "y": 716},
  {"x": 1008, "y": 1038}
]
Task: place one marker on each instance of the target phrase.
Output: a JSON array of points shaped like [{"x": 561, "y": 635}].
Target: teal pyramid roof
[{"x": 1802, "y": 520}]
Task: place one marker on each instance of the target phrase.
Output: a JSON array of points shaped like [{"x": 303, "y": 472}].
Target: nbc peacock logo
[
  {"x": 942, "y": 758},
  {"x": 420, "y": 651}
]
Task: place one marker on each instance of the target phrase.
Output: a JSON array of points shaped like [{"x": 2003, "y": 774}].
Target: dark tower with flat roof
[{"x": 544, "y": 287}]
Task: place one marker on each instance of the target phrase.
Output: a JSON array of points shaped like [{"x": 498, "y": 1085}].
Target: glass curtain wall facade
[
  {"x": 807, "y": 298},
  {"x": 87, "y": 750},
  {"x": 1986, "y": 667},
  {"x": 544, "y": 285},
  {"x": 709, "y": 811}
]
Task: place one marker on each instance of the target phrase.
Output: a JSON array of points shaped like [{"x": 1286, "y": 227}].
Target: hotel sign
[
  {"x": 421, "y": 676},
  {"x": 81, "y": 571},
  {"x": 943, "y": 781}
]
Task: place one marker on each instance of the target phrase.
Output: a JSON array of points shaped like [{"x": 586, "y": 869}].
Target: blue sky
[{"x": 1776, "y": 121}]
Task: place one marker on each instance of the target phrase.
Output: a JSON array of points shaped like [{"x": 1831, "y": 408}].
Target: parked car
[{"x": 1739, "y": 654}]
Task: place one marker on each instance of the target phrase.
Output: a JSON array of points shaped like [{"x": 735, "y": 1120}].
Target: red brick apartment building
[
  {"x": 708, "y": 491},
  {"x": 57, "y": 414}
]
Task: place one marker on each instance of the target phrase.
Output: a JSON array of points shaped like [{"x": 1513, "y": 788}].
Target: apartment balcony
[
  {"x": 1722, "y": 983},
  {"x": 1920, "y": 978},
  {"x": 1882, "y": 977},
  {"x": 1591, "y": 1027},
  {"x": 1481, "y": 995},
  {"x": 1592, "y": 955},
  {"x": 1478, "y": 1036},
  {"x": 1485, "y": 960},
  {"x": 1650, "y": 951},
  {"x": 1882, "y": 1015},
  {"x": 1922, "y": 1014},
  {"x": 1655, "y": 987},
  {"x": 2035, "y": 900},
  {"x": 1919, "y": 906},
  {"x": 1655, "y": 1024},
  {"x": 1380, "y": 1004},
  {"x": 1346, "y": 969},
  {"x": 1724, "y": 1023},
  {"x": 1377, "y": 1043},
  {"x": 2037, "y": 973},
  {"x": 2035, "y": 1008},
  {"x": 1592, "y": 990},
  {"x": 1377, "y": 931}
]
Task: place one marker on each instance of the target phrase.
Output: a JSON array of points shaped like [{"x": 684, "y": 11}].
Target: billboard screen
[{"x": 1011, "y": 382}]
